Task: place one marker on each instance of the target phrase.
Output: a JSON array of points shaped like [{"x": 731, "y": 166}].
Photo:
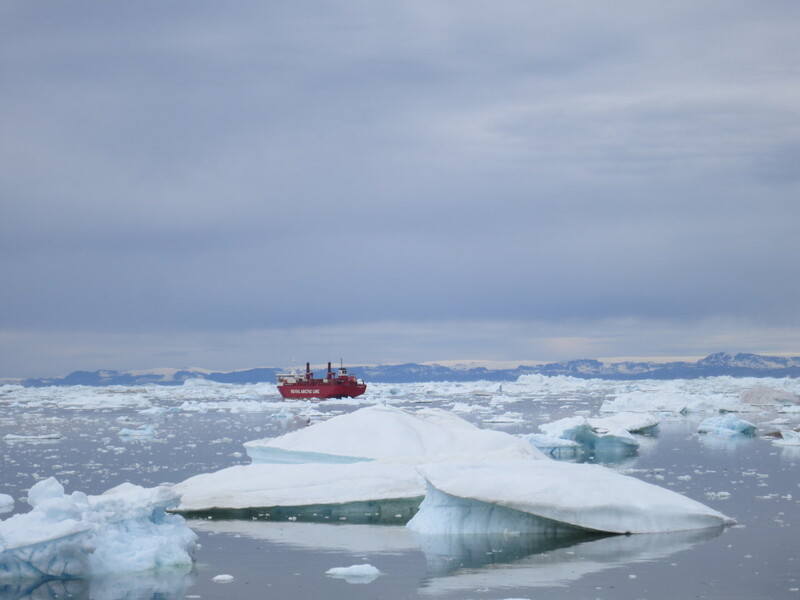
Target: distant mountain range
[{"x": 739, "y": 365}]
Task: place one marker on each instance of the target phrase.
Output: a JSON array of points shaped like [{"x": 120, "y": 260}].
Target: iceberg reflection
[
  {"x": 164, "y": 585},
  {"x": 468, "y": 562}
]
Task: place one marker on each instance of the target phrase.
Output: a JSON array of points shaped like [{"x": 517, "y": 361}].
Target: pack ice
[
  {"x": 473, "y": 480},
  {"x": 126, "y": 529}
]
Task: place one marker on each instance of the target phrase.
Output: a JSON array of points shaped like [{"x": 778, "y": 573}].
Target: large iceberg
[
  {"x": 381, "y": 461},
  {"x": 126, "y": 529},
  {"x": 551, "y": 498}
]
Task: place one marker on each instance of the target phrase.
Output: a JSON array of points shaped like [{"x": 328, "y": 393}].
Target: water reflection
[
  {"x": 164, "y": 585},
  {"x": 468, "y": 562}
]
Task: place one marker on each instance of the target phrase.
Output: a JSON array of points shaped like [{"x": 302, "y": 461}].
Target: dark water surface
[{"x": 749, "y": 479}]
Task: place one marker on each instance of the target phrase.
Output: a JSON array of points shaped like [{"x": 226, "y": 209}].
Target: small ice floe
[
  {"x": 143, "y": 431},
  {"x": 589, "y": 438},
  {"x": 550, "y": 497},
  {"x": 507, "y": 417},
  {"x": 788, "y": 437},
  {"x": 12, "y": 437},
  {"x": 224, "y": 578},
  {"x": 640, "y": 423},
  {"x": 727, "y": 426},
  {"x": 356, "y": 574},
  {"x": 6, "y": 503},
  {"x": 154, "y": 410},
  {"x": 126, "y": 529}
]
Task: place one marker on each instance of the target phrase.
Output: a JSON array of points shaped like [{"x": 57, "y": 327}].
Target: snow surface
[
  {"x": 126, "y": 529},
  {"x": 271, "y": 485},
  {"x": 391, "y": 434},
  {"x": 549, "y": 496}
]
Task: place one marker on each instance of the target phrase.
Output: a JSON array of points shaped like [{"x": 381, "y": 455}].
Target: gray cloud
[{"x": 214, "y": 169}]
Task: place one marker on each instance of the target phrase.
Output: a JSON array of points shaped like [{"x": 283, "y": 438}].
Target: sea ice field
[{"x": 103, "y": 469}]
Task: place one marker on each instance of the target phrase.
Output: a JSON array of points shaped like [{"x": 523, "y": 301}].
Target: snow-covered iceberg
[
  {"x": 126, "y": 529},
  {"x": 390, "y": 434},
  {"x": 550, "y": 497}
]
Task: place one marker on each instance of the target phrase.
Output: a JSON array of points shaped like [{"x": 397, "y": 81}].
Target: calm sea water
[{"x": 749, "y": 479}]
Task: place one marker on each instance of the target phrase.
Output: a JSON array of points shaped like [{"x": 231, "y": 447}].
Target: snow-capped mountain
[{"x": 738, "y": 365}]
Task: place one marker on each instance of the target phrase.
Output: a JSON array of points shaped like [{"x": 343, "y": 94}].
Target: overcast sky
[{"x": 238, "y": 184}]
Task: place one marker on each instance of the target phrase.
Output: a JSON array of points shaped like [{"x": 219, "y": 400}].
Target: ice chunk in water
[
  {"x": 727, "y": 425},
  {"x": 591, "y": 438},
  {"x": 125, "y": 529},
  {"x": 355, "y": 574}
]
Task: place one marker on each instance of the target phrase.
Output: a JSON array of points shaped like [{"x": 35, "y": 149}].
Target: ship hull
[{"x": 321, "y": 391}]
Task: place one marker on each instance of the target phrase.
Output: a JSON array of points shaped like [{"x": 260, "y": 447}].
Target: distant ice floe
[
  {"x": 143, "y": 431},
  {"x": 767, "y": 395},
  {"x": 718, "y": 394},
  {"x": 12, "y": 437},
  {"x": 474, "y": 481},
  {"x": 124, "y": 530},
  {"x": 727, "y": 426}
]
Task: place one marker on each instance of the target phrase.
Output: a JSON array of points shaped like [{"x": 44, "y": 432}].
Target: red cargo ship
[{"x": 341, "y": 385}]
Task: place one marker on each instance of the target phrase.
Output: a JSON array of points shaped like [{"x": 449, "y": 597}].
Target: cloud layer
[{"x": 403, "y": 174}]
